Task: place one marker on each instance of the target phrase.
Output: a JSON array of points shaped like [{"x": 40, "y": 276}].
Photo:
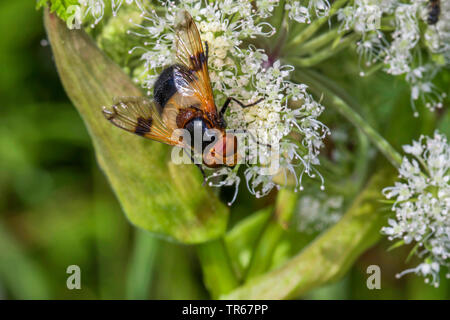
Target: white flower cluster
[
  {"x": 422, "y": 205},
  {"x": 246, "y": 73},
  {"x": 397, "y": 46},
  {"x": 303, "y": 14},
  {"x": 363, "y": 16},
  {"x": 317, "y": 213},
  {"x": 94, "y": 9}
]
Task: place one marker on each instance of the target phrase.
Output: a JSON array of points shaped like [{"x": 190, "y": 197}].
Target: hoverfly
[
  {"x": 182, "y": 99},
  {"x": 434, "y": 10}
]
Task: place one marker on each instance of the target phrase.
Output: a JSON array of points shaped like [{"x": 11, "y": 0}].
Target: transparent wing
[
  {"x": 142, "y": 117},
  {"x": 192, "y": 77}
]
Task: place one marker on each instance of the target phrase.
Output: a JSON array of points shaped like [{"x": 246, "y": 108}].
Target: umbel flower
[
  {"x": 393, "y": 34},
  {"x": 422, "y": 205},
  {"x": 240, "y": 69}
]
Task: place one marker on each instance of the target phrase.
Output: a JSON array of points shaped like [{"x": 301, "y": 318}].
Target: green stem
[
  {"x": 279, "y": 16},
  {"x": 373, "y": 69},
  {"x": 324, "y": 53},
  {"x": 218, "y": 273},
  {"x": 274, "y": 230},
  {"x": 319, "y": 41},
  {"x": 242, "y": 238},
  {"x": 329, "y": 256},
  {"x": 361, "y": 163},
  {"x": 341, "y": 102},
  {"x": 142, "y": 263},
  {"x": 383, "y": 146},
  {"x": 309, "y": 31}
]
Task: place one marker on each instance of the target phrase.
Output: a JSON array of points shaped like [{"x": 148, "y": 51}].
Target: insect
[
  {"x": 434, "y": 7},
  {"x": 182, "y": 99}
]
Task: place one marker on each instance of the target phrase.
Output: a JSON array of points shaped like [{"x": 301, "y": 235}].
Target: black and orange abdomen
[{"x": 164, "y": 87}]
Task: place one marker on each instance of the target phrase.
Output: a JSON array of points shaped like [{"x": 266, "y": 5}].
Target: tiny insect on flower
[{"x": 246, "y": 74}]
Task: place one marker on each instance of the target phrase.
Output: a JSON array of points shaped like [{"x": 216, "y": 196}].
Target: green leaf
[
  {"x": 412, "y": 252},
  {"x": 142, "y": 263},
  {"x": 60, "y": 7},
  {"x": 218, "y": 274},
  {"x": 41, "y": 4},
  {"x": 328, "y": 257},
  {"x": 396, "y": 245},
  {"x": 155, "y": 194},
  {"x": 272, "y": 233}
]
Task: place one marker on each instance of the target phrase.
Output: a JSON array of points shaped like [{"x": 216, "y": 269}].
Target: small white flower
[
  {"x": 96, "y": 8},
  {"x": 422, "y": 204},
  {"x": 302, "y": 11},
  {"x": 317, "y": 213},
  {"x": 415, "y": 149},
  {"x": 298, "y": 12}
]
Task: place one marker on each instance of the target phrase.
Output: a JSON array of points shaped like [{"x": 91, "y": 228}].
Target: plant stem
[
  {"x": 324, "y": 53},
  {"x": 373, "y": 69},
  {"x": 328, "y": 257},
  {"x": 319, "y": 41},
  {"x": 383, "y": 146},
  {"x": 309, "y": 31},
  {"x": 141, "y": 267},
  {"x": 218, "y": 273},
  {"x": 361, "y": 163},
  {"x": 339, "y": 100},
  {"x": 242, "y": 238},
  {"x": 270, "y": 237}
]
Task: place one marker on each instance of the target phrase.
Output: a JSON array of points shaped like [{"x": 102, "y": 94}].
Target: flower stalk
[
  {"x": 310, "y": 30},
  {"x": 328, "y": 257},
  {"x": 272, "y": 233},
  {"x": 218, "y": 273},
  {"x": 318, "y": 42},
  {"x": 142, "y": 265},
  {"x": 336, "y": 98},
  {"x": 324, "y": 54}
]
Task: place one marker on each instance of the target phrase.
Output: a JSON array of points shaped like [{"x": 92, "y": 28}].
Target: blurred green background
[{"x": 56, "y": 208}]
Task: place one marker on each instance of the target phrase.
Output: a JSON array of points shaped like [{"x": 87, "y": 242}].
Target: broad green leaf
[{"x": 155, "y": 194}]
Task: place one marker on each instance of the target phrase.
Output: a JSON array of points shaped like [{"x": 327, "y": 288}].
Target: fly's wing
[
  {"x": 192, "y": 79},
  {"x": 142, "y": 117}
]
